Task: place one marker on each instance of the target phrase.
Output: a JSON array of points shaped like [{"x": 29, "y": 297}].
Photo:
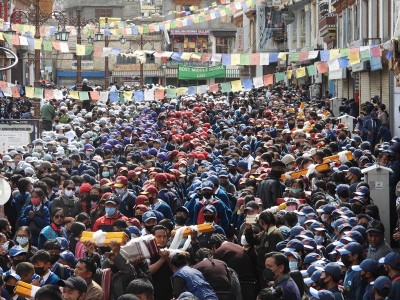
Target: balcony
[{"x": 327, "y": 26}]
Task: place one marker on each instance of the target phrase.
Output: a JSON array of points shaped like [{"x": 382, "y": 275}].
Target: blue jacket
[
  {"x": 222, "y": 213},
  {"x": 196, "y": 283},
  {"x": 48, "y": 233},
  {"x": 163, "y": 208},
  {"x": 52, "y": 279},
  {"x": 39, "y": 221}
]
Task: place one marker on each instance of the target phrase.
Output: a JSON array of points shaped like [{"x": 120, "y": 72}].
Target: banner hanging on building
[{"x": 185, "y": 72}]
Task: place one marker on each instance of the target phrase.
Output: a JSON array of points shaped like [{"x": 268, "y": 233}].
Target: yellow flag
[
  {"x": 1, "y": 36},
  {"x": 128, "y": 95},
  {"x": 282, "y": 56},
  {"x": 80, "y": 50},
  {"x": 186, "y": 56},
  {"x": 236, "y": 85},
  {"x": 235, "y": 59},
  {"x": 289, "y": 74},
  {"x": 38, "y": 44},
  {"x": 30, "y": 91},
  {"x": 223, "y": 12},
  {"x": 74, "y": 95},
  {"x": 300, "y": 72},
  {"x": 181, "y": 91},
  {"x": 334, "y": 53}
]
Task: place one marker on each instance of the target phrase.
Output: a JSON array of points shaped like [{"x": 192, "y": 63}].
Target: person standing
[{"x": 47, "y": 114}]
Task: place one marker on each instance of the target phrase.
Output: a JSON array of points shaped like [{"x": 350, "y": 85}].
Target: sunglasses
[
  {"x": 59, "y": 216},
  {"x": 69, "y": 188}
]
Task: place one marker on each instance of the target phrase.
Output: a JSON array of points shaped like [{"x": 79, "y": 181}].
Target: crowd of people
[{"x": 230, "y": 160}]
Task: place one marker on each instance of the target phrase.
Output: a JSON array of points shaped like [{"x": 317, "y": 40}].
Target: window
[
  {"x": 103, "y": 13},
  {"x": 224, "y": 44}
]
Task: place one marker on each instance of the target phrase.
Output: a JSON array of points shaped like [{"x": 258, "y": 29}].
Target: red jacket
[{"x": 106, "y": 223}]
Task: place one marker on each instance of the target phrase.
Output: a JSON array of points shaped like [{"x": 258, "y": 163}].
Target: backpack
[{"x": 200, "y": 216}]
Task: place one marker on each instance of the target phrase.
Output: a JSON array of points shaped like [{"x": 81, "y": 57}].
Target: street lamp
[
  {"x": 62, "y": 35},
  {"x": 37, "y": 18},
  {"x": 141, "y": 43},
  {"x": 90, "y": 39}
]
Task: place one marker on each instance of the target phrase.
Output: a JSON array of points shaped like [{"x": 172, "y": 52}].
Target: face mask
[
  {"x": 346, "y": 260},
  {"x": 35, "y": 201},
  {"x": 22, "y": 240},
  {"x": 293, "y": 265},
  {"x": 182, "y": 170},
  {"x": 207, "y": 195},
  {"x": 63, "y": 144},
  {"x": 69, "y": 193},
  {"x": 321, "y": 283},
  {"x": 39, "y": 148},
  {"x": 268, "y": 274},
  {"x": 356, "y": 208},
  {"x": 54, "y": 258},
  {"x": 295, "y": 191},
  {"x": 9, "y": 289},
  {"x": 319, "y": 239},
  {"x": 94, "y": 198},
  {"x": 40, "y": 271},
  {"x": 105, "y": 174},
  {"x": 291, "y": 125},
  {"x": 5, "y": 246},
  {"x": 149, "y": 228},
  {"x": 180, "y": 220},
  {"x": 110, "y": 211},
  {"x": 120, "y": 191},
  {"x": 89, "y": 153},
  {"x": 209, "y": 218}
]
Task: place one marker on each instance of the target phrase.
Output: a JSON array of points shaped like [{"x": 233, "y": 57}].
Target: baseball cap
[
  {"x": 321, "y": 294},
  {"x": 341, "y": 188},
  {"x": 74, "y": 283},
  {"x": 311, "y": 258},
  {"x": 326, "y": 209},
  {"x": 121, "y": 181},
  {"x": 375, "y": 226},
  {"x": 287, "y": 159},
  {"x": 207, "y": 185},
  {"x": 160, "y": 177},
  {"x": 367, "y": 265},
  {"x": 294, "y": 245},
  {"x": 391, "y": 259},
  {"x": 148, "y": 215},
  {"x": 182, "y": 209},
  {"x": 351, "y": 248},
  {"x": 333, "y": 269},
  {"x": 13, "y": 275},
  {"x": 314, "y": 277},
  {"x": 309, "y": 244},
  {"x": 210, "y": 208},
  {"x": 251, "y": 205},
  {"x": 382, "y": 283},
  {"x": 112, "y": 199},
  {"x": 17, "y": 250},
  {"x": 150, "y": 190},
  {"x": 355, "y": 171}
]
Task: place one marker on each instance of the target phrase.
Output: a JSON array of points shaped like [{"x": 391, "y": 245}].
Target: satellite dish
[{"x": 5, "y": 191}]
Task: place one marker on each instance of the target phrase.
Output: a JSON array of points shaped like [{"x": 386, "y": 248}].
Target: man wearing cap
[
  {"x": 106, "y": 222},
  {"x": 351, "y": 255},
  {"x": 47, "y": 114},
  {"x": 157, "y": 204},
  {"x": 376, "y": 240},
  {"x": 223, "y": 176},
  {"x": 127, "y": 199},
  {"x": 16, "y": 255},
  {"x": 74, "y": 288},
  {"x": 270, "y": 188},
  {"x": 164, "y": 193},
  {"x": 234, "y": 175},
  {"x": 247, "y": 157},
  {"x": 78, "y": 167},
  {"x": 353, "y": 176},
  {"x": 369, "y": 271},
  {"x": 382, "y": 289},
  {"x": 10, "y": 282},
  {"x": 391, "y": 264},
  {"x": 329, "y": 280},
  {"x": 207, "y": 191}
]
